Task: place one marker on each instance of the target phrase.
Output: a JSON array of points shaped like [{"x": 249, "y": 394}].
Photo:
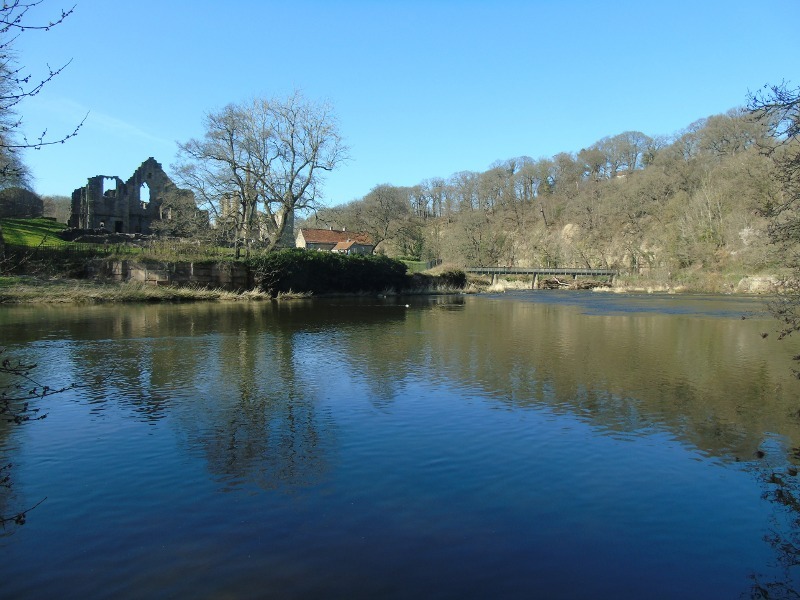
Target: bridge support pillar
[{"x": 535, "y": 285}]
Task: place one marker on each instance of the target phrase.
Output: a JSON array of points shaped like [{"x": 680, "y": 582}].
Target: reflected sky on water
[{"x": 530, "y": 444}]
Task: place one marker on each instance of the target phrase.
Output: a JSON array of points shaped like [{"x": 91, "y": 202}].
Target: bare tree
[
  {"x": 57, "y": 207},
  {"x": 464, "y": 189},
  {"x": 19, "y": 392},
  {"x": 731, "y": 133},
  {"x": 215, "y": 168},
  {"x": 778, "y": 106},
  {"x": 385, "y": 213},
  {"x": 260, "y": 161},
  {"x": 17, "y": 84}
]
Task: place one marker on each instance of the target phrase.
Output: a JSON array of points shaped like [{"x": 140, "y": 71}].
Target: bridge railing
[{"x": 541, "y": 271}]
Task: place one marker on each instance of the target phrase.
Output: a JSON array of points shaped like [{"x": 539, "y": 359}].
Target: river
[{"x": 521, "y": 445}]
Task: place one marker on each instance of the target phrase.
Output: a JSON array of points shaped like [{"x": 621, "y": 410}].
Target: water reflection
[
  {"x": 253, "y": 416},
  {"x": 713, "y": 381},
  {"x": 428, "y": 423},
  {"x": 776, "y": 470}
]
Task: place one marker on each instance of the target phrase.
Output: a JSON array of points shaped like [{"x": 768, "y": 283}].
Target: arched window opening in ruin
[
  {"x": 109, "y": 186},
  {"x": 144, "y": 194}
]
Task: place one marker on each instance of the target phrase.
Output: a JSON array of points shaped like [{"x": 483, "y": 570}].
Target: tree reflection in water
[
  {"x": 262, "y": 427},
  {"x": 777, "y": 470},
  {"x": 303, "y": 396}
]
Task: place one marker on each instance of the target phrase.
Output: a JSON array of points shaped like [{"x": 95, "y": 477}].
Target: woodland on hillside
[
  {"x": 697, "y": 201},
  {"x": 710, "y": 200},
  {"x": 713, "y": 198}
]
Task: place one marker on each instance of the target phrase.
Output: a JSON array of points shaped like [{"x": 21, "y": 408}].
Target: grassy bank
[
  {"x": 30, "y": 290},
  {"x": 32, "y": 232}
]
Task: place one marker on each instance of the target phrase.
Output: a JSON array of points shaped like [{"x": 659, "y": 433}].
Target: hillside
[
  {"x": 686, "y": 209},
  {"x": 31, "y": 232}
]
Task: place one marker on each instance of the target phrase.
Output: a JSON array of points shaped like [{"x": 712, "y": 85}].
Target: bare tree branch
[
  {"x": 260, "y": 161},
  {"x": 17, "y": 85}
]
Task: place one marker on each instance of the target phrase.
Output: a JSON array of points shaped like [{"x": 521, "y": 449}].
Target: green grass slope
[{"x": 32, "y": 232}]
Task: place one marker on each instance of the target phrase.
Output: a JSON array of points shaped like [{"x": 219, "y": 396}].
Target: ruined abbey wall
[{"x": 124, "y": 206}]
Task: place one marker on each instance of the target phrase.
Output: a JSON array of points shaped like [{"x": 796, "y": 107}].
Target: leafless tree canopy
[
  {"x": 18, "y": 83},
  {"x": 779, "y": 107},
  {"x": 260, "y": 161}
]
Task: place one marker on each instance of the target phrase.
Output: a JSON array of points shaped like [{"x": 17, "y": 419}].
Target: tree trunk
[{"x": 283, "y": 236}]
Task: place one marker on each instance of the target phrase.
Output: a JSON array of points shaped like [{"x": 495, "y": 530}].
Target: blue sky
[{"x": 421, "y": 88}]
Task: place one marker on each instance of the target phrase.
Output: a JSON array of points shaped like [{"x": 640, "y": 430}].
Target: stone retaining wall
[{"x": 228, "y": 276}]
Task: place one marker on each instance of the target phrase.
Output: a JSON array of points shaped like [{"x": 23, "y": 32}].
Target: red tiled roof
[
  {"x": 332, "y": 236},
  {"x": 344, "y": 245}
]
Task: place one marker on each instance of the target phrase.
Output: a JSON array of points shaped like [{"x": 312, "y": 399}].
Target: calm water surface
[{"x": 528, "y": 445}]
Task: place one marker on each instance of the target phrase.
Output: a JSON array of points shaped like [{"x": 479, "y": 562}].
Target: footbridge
[{"x": 495, "y": 272}]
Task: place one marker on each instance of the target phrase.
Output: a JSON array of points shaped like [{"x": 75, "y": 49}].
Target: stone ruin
[{"x": 132, "y": 206}]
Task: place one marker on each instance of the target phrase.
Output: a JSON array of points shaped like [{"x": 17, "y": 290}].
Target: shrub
[
  {"x": 453, "y": 278},
  {"x": 314, "y": 272}
]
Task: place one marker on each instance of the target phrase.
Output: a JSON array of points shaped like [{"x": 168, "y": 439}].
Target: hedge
[{"x": 316, "y": 272}]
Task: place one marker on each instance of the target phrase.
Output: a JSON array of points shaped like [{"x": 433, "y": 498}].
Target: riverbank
[
  {"x": 34, "y": 290},
  {"x": 713, "y": 283}
]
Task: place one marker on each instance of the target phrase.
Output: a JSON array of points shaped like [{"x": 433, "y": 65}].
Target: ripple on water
[{"x": 512, "y": 450}]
